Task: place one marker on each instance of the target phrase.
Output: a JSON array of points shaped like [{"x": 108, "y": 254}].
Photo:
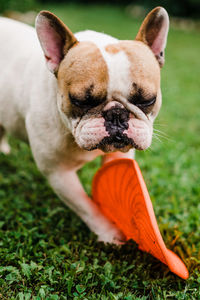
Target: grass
[{"x": 46, "y": 252}]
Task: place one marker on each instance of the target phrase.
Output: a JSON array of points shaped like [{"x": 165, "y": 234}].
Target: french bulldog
[{"x": 76, "y": 96}]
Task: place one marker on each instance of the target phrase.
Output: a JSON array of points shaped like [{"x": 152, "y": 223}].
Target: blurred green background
[
  {"x": 187, "y": 8},
  {"x": 46, "y": 252}
]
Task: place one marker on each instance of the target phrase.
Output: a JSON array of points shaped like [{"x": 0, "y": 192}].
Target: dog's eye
[
  {"x": 87, "y": 103},
  {"x": 144, "y": 105}
]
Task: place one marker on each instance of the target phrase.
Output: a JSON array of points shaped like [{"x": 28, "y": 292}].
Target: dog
[{"x": 74, "y": 97}]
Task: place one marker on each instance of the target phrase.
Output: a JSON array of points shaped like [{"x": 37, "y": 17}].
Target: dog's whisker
[
  {"x": 161, "y": 132},
  {"x": 159, "y": 136}
]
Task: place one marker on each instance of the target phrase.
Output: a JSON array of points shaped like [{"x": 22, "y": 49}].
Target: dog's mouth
[{"x": 117, "y": 142}]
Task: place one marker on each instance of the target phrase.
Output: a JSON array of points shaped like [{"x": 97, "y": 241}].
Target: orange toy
[{"x": 120, "y": 191}]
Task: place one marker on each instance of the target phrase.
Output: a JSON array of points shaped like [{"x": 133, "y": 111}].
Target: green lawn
[{"x": 46, "y": 252}]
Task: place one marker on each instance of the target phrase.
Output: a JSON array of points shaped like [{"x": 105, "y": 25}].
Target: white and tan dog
[{"x": 101, "y": 96}]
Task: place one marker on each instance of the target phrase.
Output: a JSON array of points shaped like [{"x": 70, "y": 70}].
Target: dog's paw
[
  {"x": 4, "y": 147},
  {"x": 112, "y": 236}
]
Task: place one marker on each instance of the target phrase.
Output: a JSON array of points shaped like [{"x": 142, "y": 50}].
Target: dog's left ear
[
  {"x": 153, "y": 32},
  {"x": 55, "y": 38}
]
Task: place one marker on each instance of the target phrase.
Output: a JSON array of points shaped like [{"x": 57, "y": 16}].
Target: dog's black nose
[{"x": 116, "y": 120}]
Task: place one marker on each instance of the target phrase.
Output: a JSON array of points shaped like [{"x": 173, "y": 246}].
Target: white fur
[
  {"x": 119, "y": 73},
  {"x": 98, "y": 38}
]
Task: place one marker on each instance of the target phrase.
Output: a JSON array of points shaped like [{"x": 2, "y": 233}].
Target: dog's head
[{"x": 108, "y": 90}]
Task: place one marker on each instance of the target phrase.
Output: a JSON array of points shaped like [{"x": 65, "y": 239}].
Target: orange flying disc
[{"x": 121, "y": 193}]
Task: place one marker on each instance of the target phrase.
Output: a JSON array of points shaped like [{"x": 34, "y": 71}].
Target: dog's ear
[
  {"x": 153, "y": 32},
  {"x": 55, "y": 38}
]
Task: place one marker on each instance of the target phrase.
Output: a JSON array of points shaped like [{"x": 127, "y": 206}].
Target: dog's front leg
[{"x": 67, "y": 186}]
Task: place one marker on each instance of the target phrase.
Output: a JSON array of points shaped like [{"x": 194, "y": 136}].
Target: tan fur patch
[{"x": 82, "y": 68}]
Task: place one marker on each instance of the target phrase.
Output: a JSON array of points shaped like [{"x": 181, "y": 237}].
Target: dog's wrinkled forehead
[{"x": 112, "y": 70}]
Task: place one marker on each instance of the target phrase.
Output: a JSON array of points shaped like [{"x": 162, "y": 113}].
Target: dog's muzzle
[{"x": 116, "y": 122}]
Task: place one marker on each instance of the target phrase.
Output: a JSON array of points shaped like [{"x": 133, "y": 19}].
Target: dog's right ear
[
  {"x": 55, "y": 38},
  {"x": 153, "y": 32}
]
